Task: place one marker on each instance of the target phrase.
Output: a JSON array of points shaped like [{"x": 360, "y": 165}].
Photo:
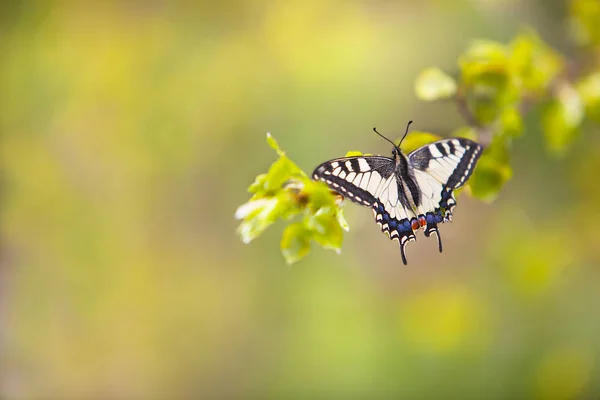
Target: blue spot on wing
[{"x": 400, "y": 229}]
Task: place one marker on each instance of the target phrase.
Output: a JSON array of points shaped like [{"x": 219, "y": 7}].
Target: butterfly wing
[
  {"x": 372, "y": 181},
  {"x": 357, "y": 178},
  {"x": 439, "y": 168}
]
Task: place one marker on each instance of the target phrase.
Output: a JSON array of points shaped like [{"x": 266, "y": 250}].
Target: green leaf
[
  {"x": 342, "y": 220},
  {"x": 487, "y": 97},
  {"x": 434, "y": 84},
  {"x": 485, "y": 49},
  {"x": 285, "y": 192},
  {"x": 417, "y": 139},
  {"x": 486, "y": 81},
  {"x": 274, "y": 145},
  {"x": 588, "y": 88},
  {"x": 534, "y": 63},
  {"x": 467, "y": 132},
  {"x": 353, "y": 153},
  {"x": 325, "y": 228},
  {"x": 561, "y": 119},
  {"x": 492, "y": 172},
  {"x": 257, "y": 216},
  {"x": 511, "y": 122},
  {"x": 295, "y": 243},
  {"x": 280, "y": 172},
  {"x": 320, "y": 195},
  {"x": 483, "y": 57},
  {"x": 585, "y": 15},
  {"x": 259, "y": 184}
]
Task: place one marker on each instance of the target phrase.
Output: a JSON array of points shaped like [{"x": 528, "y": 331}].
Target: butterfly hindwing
[
  {"x": 440, "y": 168},
  {"x": 400, "y": 227}
]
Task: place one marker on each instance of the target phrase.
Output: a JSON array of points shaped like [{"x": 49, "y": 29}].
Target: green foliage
[
  {"x": 562, "y": 118},
  {"x": 434, "y": 84},
  {"x": 534, "y": 64},
  {"x": 511, "y": 122},
  {"x": 585, "y": 15},
  {"x": 286, "y": 192},
  {"x": 466, "y": 132},
  {"x": 588, "y": 89},
  {"x": 485, "y": 81},
  {"x": 495, "y": 85},
  {"x": 493, "y": 171}
]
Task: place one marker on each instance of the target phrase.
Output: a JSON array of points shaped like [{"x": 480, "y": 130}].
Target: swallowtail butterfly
[{"x": 405, "y": 192}]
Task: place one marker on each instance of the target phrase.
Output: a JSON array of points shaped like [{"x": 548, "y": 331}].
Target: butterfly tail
[
  {"x": 403, "y": 254},
  {"x": 437, "y": 235},
  {"x": 404, "y": 237},
  {"x": 432, "y": 220}
]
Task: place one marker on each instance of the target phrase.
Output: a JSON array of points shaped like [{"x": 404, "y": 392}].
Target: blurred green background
[{"x": 129, "y": 134}]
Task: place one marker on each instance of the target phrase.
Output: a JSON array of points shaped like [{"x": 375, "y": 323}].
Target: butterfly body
[{"x": 405, "y": 192}]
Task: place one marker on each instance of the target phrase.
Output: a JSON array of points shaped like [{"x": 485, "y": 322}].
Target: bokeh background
[{"x": 129, "y": 134}]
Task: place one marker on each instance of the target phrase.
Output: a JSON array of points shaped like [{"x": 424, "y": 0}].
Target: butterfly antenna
[
  {"x": 375, "y": 130},
  {"x": 405, "y": 133}
]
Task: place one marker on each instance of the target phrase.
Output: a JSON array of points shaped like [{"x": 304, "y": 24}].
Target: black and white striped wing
[
  {"x": 356, "y": 178},
  {"x": 439, "y": 168},
  {"x": 372, "y": 181}
]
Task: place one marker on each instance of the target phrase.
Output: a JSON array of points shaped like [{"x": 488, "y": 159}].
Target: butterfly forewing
[{"x": 357, "y": 178}]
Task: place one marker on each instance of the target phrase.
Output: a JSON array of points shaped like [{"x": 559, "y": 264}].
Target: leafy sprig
[
  {"x": 286, "y": 192},
  {"x": 497, "y": 84}
]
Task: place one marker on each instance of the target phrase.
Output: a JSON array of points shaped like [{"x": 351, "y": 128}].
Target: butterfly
[{"x": 406, "y": 192}]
